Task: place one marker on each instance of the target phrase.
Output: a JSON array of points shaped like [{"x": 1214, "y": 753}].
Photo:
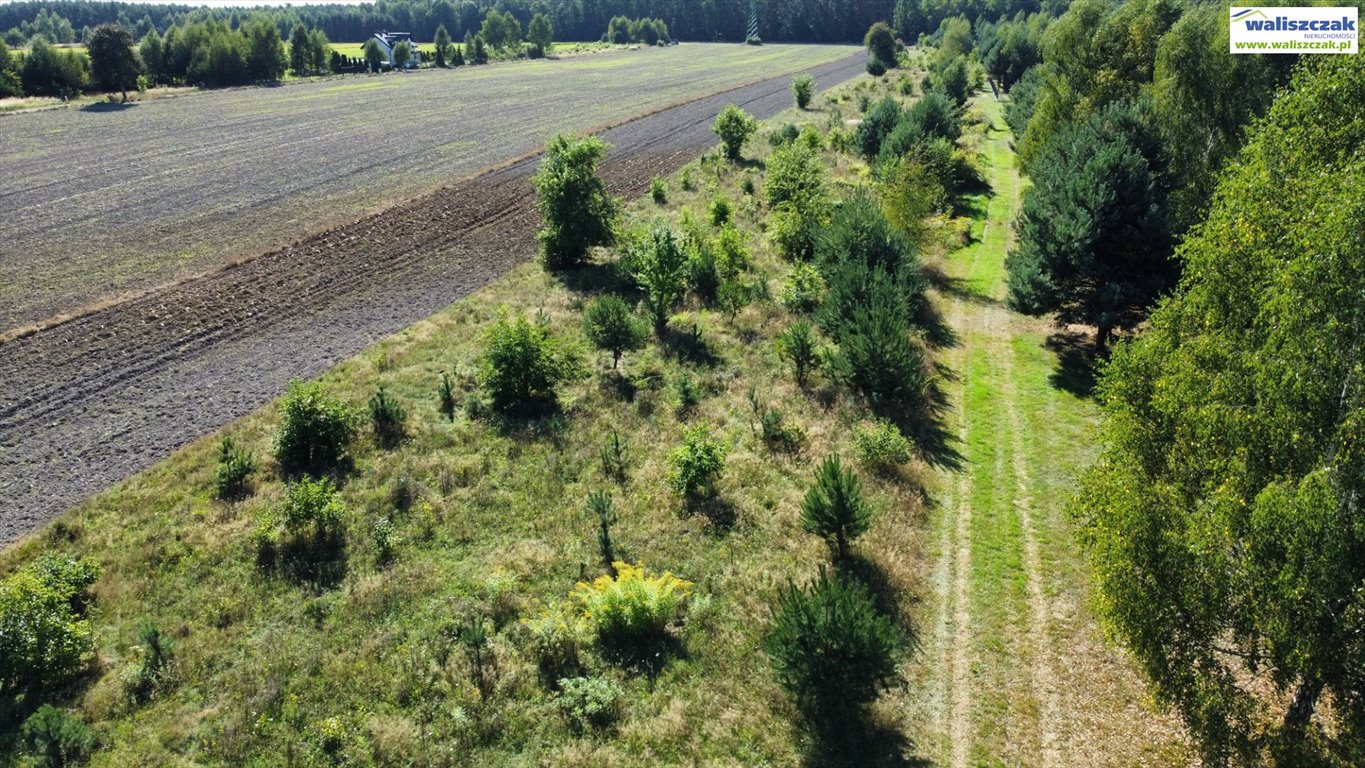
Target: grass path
[{"x": 1015, "y": 672}]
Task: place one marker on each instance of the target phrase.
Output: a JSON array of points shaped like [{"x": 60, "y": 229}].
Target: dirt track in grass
[{"x": 88, "y": 402}]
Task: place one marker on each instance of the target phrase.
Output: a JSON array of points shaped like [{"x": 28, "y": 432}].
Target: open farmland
[
  {"x": 101, "y": 202},
  {"x": 92, "y": 400}
]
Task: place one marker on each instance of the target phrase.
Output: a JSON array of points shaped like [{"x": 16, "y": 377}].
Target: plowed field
[{"x": 87, "y": 402}]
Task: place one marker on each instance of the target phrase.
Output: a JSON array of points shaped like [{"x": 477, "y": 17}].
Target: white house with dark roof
[{"x": 389, "y": 40}]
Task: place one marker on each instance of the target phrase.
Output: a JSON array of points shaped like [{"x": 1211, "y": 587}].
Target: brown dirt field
[{"x": 90, "y": 401}]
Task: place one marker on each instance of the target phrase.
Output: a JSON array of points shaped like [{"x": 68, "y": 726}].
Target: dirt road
[{"x": 91, "y": 401}]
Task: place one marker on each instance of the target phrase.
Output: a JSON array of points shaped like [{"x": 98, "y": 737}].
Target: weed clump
[{"x": 632, "y": 609}]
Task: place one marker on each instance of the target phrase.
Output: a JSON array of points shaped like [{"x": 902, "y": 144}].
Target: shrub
[
  {"x": 704, "y": 274},
  {"x": 573, "y": 201},
  {"x": 877, "y": 355},
  {"x": 657, "y": 191},
  {"x": 236, "y": 465},
  {"x": 881, "y": 446},
  {"x": 45, "y": 638},
  {"x": 784, "y": 136},
  {"x": 385, "y": 541},
  {"x": 631, "y": 610},
  {"x": 795, "y": 230},
  {"x": 859, "y": 233},
  {"x": 522, "y": 364},
  {"x": 829, "y": 646},
  {"x": 748, "y": 186},
  {"x": 697, "y": 464},
  {"x": 589, "y": 702},
  {"x": 660, "y": 268},
  {"x": 720, "y": 211},
  {"x": 803, "y": 88},
  {"x": 876, "y": 67},
  {"x": 56, "y": 738},
  {"x": 446, "y": 393},
  {"x": 555, "y": 638},
  {"x": 316, "y": 431},
  {"x": 734, "y": 126},
  {"x": 311, "y": 507},
  {"x": 795, "y": 176},
  {"x": 834, "y": 508},
  {"x": 611, "y": 326},
  {"x": 797, "y": 345},
  {"x": 388, "y": 418},
  {"x": 804, "y": 289}
]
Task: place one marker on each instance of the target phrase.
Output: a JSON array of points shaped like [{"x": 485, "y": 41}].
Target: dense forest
[{"x": 575, "y": 20}]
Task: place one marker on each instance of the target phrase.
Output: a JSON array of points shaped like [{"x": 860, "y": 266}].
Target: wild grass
[{"x": 485, "y": 522}]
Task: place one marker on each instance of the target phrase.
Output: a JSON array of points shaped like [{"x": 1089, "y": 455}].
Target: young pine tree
[{"x": 834, "y": 508}]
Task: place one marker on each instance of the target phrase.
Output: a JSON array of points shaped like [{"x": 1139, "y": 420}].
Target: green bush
[
  {"x": 830, "y": 648},
  {"x": 804, "y": 289},
  {"x": 554, "y": 640},
  {"x": 236, "y": 465},
  {"x": 878, "y": 123},
  {"x": 660, "y": 267},
  {"x": 589, "y": 702},
  {"x": 631, "y": 610},
  {"x": 311, "y": 507},
  {"x": 697, "y": 464},
  {"x": 881, "y": 446},
  {"x": 794, "y": 231},
  {"x": 794, "y": 176},
  {"x": 56, "y": 738},
  {"x": 388, "y": 418},
  {"x": 657, "y": 191},
  {"x": 803, "y": 88},
  {"x": 882, "y": 46},
  {"x": 797, "y": 345},
  {"x": 876, "y": 353},
  {"x": 574, "y": 205},
  {"x": 611, "y": 326},
  {"x": 834, "y": 508},
  {"x": 784, "y": 136},
  {"x": 522, "y": 364},
  {"x": 876, "y": 67},
  {"x": 316, "y": 431},
  {"x": 719, "y": 210},
  {"x": 45, "y": 638},
  {"x": 734, "y": 126}
]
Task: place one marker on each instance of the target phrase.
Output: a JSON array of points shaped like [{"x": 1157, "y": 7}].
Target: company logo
[{"x": 1292, "y": 30}]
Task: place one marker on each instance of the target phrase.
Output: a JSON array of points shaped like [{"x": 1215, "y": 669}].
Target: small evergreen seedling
[
  {"x": 689, "y": 394},
  {"x": 720, "y": 211},
  {"x": 657, "y": 191},
  {"x": 613, "y": 456},
  {"x": 834, "y": 508},
  {"x": 236, "y": 465},
  {"x": 599, "y": 503},
  {"x": 447, "y": 394},
  {"x": 388, "y": 418}
]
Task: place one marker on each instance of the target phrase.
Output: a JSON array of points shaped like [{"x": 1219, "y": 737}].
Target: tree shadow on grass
[
  {"x": 924, "y": 422},
  {"x": 937, "y": 333},
  {"x": 593, "y": 278},
  {"x": 885, "y": 594},
  {"x": 689, "y": 346},
  {"x": 957, "y": 288},
  {"x": 860, "y": 741},
  {"x": 1076, "y": 362},
  {"x": 315, "y": 561},
  {"x": 532, "y": 421}
]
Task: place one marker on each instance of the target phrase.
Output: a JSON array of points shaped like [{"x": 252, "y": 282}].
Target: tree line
[{"x": 576, "y": 20}]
